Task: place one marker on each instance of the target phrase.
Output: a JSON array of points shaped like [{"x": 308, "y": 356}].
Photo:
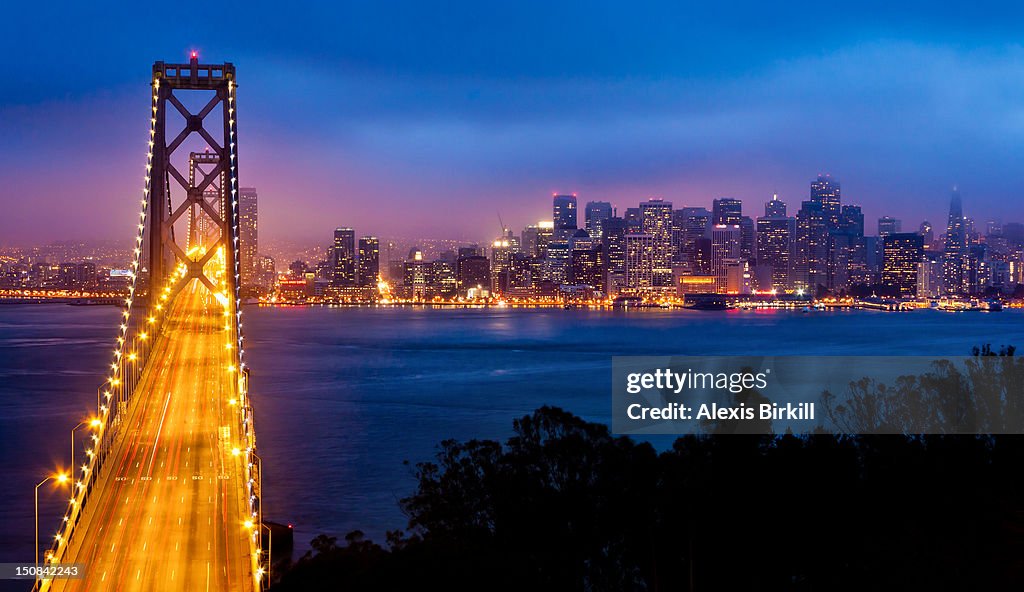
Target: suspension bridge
[{"x": 167, "y": 496}]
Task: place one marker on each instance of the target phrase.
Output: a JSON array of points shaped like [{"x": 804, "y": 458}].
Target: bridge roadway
[{"x": 169, "y": 511}]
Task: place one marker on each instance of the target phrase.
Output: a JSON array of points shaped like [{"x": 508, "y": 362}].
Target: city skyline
[
  {"x": 899, "y": 109},
  {"x": 729, "y": 186},
  {"x": 540, "y": 204}
]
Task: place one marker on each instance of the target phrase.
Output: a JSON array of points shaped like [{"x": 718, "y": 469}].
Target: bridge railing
[{"x": 137, "y": 332}]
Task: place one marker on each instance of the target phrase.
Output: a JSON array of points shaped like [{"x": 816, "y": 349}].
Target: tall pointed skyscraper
[{"x": 956, "y": 247}]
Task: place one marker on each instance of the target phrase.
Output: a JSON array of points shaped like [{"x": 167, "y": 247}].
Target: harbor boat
[
  {"x": 627, "y": 302},
  {"x": 711, "y": 302},
  {"x": 992, "y": 305}
]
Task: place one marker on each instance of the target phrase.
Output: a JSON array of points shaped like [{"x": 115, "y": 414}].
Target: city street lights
[
  {"x": 80, "y": 424},
  {"x": 93, "y": 423},
  {"x": 61, "y": 478},
  {"x": 259, "y": 471}
]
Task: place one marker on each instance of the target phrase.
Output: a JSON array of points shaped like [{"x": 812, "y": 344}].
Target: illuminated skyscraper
[
  {"x": 888, "y": 225},
  {"x": 748, "y": 238},
  {"x": 695, "y": 222},
  {"x": 344, "y": 256},
  {"x": 811, "y": 248},
  {"x": 775, "y": 207},
  {"x": 586, "y": 265},
  {"x": 849, "y": 250},
  {"x": 596, "y": 213},
  {"x": 656, "y": 221},
  {"x": 521, "y": 271},
  {"x": 726, "y": 210},
  {"x": 247, "y": 236},
  {"x": 417, "y": 276},
  {"x": 564, "y": 215},
  {"x": 775, "y": 242},
  {"x": 825, "y": 191},
  {"x": 903, "y": 253},
  {"x": 369, "y": 261},
  {"x": 528, "y": 245},
  {"x": 613, "y": 242},
  {"x": 443, "y": 279},
  {"x": 929, "y": 276},
  {"x": 725, "y": 249},
  {"x": 473, "y": 273},
  {"x": 501, "y": 251},
  {"x": 545, "y": 234},
  {"x": 956, "y": 253},
  {"x": 639, "y": 262},
  {"x": 556, "y": 264}
]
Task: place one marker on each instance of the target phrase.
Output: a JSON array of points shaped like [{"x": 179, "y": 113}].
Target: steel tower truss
[{"x": 164, "y": 252}]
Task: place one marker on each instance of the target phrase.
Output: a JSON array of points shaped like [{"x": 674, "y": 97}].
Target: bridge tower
[
  {"x": 165, "y": 253},
  {"x": 200, "y": 226}
]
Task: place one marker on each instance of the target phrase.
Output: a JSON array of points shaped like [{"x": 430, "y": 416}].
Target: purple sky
[{"x": 396, "y": 119}]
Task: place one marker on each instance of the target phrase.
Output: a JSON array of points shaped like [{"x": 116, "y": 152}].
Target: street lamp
[
  {"x": 270, "y": 546},
  {"x": 61, "y": 478},
  {"x": 93, "y": 423}
]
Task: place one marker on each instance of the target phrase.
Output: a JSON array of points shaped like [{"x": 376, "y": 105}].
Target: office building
[
  {"x": 775, "y": 207},
  {"x": 596, "y": 212},
  {"x": 810, "y": 263},
  {"x": 586, "y": 265},
  {"x": 825, "y": 192},
  {"x": 501, "y": 251},
  {"x": 248, "y": 237},
  {"x": 556, "y": 264},
  {"x": 727, "y": 211},
  {"x": 929, "y": 276},
  {"x": 955, "y": 257},
  {"x": 888, "y": 225},
  {"x": 473, "y": 275},
  {"x": 656, "y": 221},
  {"x": 344, "y": 257},
  {"x": 774, "y": 245},
  {"x": 417, "y": 275},
  {"x": 613, "y": 243},
  {"x": 564, "y": 215},
  {"x": 903, "y": 253},
  {"x": 725, "y": 248},
  {"x": 633, "y": 221},
  {"x": 369, "y": 261},
  {"x": 748, "y": 238},
  {"x": 639, "y": 262}
]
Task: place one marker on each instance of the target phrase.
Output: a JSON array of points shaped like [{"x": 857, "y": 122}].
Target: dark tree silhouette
[{"x": 565, "y": 505}]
